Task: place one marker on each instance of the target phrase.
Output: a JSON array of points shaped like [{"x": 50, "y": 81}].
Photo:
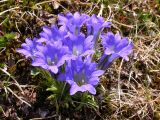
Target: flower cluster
[{"x": 66, "y": 45}]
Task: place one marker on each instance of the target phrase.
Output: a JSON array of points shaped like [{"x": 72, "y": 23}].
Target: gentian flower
[
  {"x": 53, "y": 34},
  {"x": 95, "y": 26},
  {"x": 65, "y": 44},
  {"x": 115, "y": 46},
  {"x": 51, "y": 56},
  {"x": 79, "y": 45},
  {"x": 82, "y": 75},
  {"x": 29, "y": 48},
  {"x": 72, "y": 22}
]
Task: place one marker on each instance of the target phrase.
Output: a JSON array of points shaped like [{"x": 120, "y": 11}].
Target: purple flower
[
  {"x": 95, "y": 26},
  {"x": 29, "y": 48},
  {"x": 51, "y": 56},
  {"x": 115, "y": 46},
  {"x": 82, "y": 75},
  {"x": 72, "y": 22},
  {"x": 65, "y": 44},
  {"x": 53, "y": 34},
  {"x": 79, "y": 45}
]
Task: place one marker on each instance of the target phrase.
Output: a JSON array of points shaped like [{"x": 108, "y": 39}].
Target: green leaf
[
  {"x": 5, "y": 39},
  {"x": 34, "y": 72},
  {"x": 52, "y": 89},
  {"x": 9, "y": 35},
  {"x": 1, "y": 109},
  {"x": 52, "y": 97}
]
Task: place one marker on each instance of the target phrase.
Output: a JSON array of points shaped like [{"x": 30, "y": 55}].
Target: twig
[
  {"x": 129, "y": 26},
  {"x": 44, "y": 118},
  {"x": 119, "y": 87},
  {"x": 3, "y": 1},
  {"x": 40, "y": 3},
  {"x": 101, "y": 10},
  {"x": 94, "y": 7},
  {"x": 13, "y": 79},
  {"x": 1, "y": 13},
  {"x": 110, "y": 13},
  {"x": 3, "y": 111},
  {"x": 18, "y": 97}
]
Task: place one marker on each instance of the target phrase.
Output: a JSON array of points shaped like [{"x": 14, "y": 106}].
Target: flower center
[
  {"x": 49, "y": 61},
  {"x": 79, "y": 78},
  {"x": 112, "y": 47},
  {"x": 55, "y": 58},
  {"x": 76, "y": 30},
  {"x": 74, "y": 50},
  {"x": 77, "y": 50}
]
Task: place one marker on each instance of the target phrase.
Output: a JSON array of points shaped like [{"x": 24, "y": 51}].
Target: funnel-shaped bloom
[
  {"x": 29, "y": 48},
  {"x": 53, "y": 34},
  {"x": 79, "y": 45},
  {"x": 115, "y": 46},
  {"x": 95, "y": 26},
  {"x": 51, "y": 56},
  {"x": 72, "y": 22},
  {"x": 82, "y": 75}
]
